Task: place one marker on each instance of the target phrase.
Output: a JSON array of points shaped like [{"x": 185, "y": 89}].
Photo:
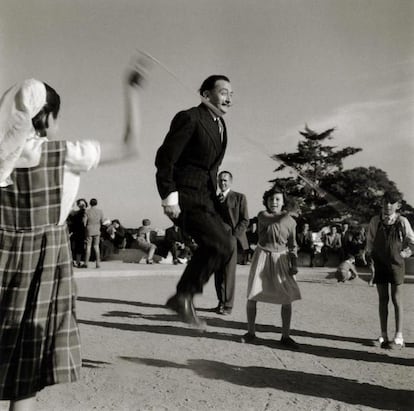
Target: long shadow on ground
[
  {"x": 229, "y": 324},
  {"x": 321, "y": 351},
  {"x": 112, "y": 301},
  {"x": 315, "y": 385},
  {"x": 213, "y": 322}
]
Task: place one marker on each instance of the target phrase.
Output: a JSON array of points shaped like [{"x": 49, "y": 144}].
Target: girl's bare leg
[
  {"x": 25, "y": 404},
  {"x": 286, "y": 318},
  {"x": 251, "y": 316}
]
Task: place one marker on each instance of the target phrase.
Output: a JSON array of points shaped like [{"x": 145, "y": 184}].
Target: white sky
[{"x": 328, "y": 63}]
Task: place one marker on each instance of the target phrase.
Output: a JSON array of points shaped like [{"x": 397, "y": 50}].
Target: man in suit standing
[
  {"x": 187, "y": 163},
  {"x": 233, "y": 208}
]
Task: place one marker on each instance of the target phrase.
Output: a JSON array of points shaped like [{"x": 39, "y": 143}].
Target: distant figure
[
  {"x": 144, "y": 240},
  {"x": 107, "y": 246},
  {"x": 346, "y": 238},
  {"x": 346, "y": 270},
  {"x": 187, "y": 163},
  {"x": 119, "y": 239},
  {"x": 233, "y": 209},
  {"x": 357, "y": 245},
  {"x": 274, "y": 265},
  {"x": 305, "y": 243},
  {"x": 390, "y": 240},
  {"x": 77, "y": 229},
  {"x": 94, "y": 220},
  {"x": 332, "y": 244}
]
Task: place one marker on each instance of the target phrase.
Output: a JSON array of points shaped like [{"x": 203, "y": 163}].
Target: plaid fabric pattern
[
  {"x": 33, "y": 200},
  {"x": 39, "y": 335}
]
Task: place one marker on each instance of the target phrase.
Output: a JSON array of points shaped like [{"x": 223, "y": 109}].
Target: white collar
[{"x": 225, "y": 193}]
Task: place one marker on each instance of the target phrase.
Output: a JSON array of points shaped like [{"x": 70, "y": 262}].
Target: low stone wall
[{"x": 130, "y": 255}]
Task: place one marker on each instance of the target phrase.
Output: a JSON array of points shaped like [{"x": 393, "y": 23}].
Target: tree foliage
[{"x": 323, "y": 190}]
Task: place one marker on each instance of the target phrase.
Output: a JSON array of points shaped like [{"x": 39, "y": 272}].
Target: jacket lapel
[{"x": 211, "y": 128}]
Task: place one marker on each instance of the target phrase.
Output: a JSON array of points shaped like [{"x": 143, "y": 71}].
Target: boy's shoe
[
  {"x": 384, "y": 343},
  {"x": 248, "y": 338},
  {"x": 289, "y": 343},
  {"x": 398, "y": 343}
]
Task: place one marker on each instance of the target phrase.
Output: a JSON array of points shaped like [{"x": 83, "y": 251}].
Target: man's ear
[{"x": 206, "y": 94}]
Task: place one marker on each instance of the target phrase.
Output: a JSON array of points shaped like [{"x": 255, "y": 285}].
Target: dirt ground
[{"x": 137, "y": 356}]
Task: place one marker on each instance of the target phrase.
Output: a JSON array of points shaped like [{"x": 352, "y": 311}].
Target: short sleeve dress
[{"x": 270, "y": 280}]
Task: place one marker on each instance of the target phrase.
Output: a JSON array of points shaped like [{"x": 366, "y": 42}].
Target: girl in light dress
[
  {"x": 39, "y": 179},
  {"x": 273, "y": 267}
]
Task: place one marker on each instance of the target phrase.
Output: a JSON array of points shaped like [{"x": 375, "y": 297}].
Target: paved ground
[{"x": 137, "y": 356}]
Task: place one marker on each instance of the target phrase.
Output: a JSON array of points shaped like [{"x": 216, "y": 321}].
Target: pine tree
[{"x": 322, "y": 189}]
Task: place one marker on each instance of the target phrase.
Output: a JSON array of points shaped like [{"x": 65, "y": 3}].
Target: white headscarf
[{"x": 18, "y": 105}]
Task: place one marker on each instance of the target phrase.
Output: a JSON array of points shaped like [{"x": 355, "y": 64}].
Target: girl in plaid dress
[{"x": 39, "y": 179}]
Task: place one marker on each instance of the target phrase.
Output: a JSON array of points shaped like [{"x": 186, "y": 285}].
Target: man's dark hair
[
  {"x": 93, "y": 202},
  {"x": 210, "y": 82}
]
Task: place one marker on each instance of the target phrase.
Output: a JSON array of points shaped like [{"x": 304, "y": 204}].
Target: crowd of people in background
[{"x": 95, "y": 238}]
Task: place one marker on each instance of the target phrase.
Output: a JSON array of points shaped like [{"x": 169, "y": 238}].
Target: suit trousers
[
  {"x": 225, "y": 279},
  {"x": 215, "y": 247}
]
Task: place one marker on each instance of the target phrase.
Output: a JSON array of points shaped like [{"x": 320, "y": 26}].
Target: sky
[{"x": 324, "y": 63}]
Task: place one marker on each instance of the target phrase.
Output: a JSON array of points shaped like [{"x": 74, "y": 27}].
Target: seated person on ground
[{"x": 346, "y": 270}]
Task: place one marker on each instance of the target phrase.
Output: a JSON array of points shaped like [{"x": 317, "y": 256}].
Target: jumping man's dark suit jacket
[
  {"x": 189, "y": 158},
  {"x": 235, "y": 214}
]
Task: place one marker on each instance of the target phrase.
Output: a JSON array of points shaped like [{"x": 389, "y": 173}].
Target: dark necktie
[
  {"x": 221, "y": 197},
  {"x": 220, "y": 128}
]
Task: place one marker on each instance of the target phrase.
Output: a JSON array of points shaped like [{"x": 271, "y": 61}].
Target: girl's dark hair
[
  {"x": 52, "y": 106},
  {"x": 80, "y": 200},
  {"x": 274, "y": 190},
  {"x": 93, "y": 202},
  {"x": 210, "y": 82}
]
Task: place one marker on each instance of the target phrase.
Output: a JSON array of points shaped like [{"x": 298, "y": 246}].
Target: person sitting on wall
[
  {"x": 179, "y": 244},
  {"x": 144, "y": 240},
  {"x": 332, "y": 244},
  {"x": 304, "y": 240}
]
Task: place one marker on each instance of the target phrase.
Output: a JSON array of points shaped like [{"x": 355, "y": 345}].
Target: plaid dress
[{"x": 39, "y": 336}]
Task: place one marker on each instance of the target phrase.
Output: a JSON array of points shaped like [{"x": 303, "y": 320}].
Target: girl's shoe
[
  {"x": 248, "y": 338},
  {"x": 384, "y": 343},
  {"x": 289, "y": 343},
  {"x": 398, "y": 343}
]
